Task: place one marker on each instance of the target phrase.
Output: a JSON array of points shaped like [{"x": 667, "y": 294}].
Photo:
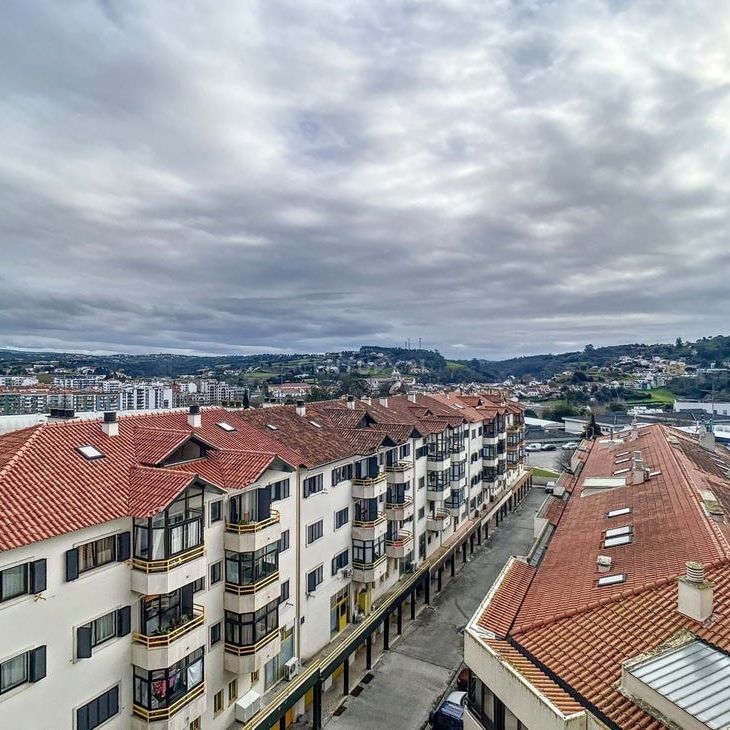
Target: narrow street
[{"x": 412, "y": 676}]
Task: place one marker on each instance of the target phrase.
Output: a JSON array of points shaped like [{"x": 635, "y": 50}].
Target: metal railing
[
  {"x": 162, "y": 566},
  {"x": 407, "y": 502},
  {"x": 403, "y": 538},
  {"x": 252, "y": 648},
  {"x": 369, "y": 481},
  {"x": 370, "y": 523},
  {"x": 356, "y": 565},
  {"x": 165, "y": 713},
  {"x": 400, "y": 466},
  {"x": 160, "y": 641},
  {"x": 249, "y": 588},
  {"x": 245, "y": 527}
]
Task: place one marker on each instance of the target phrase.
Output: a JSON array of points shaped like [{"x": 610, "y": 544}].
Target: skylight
[
  {"x": 226, "y": 426},
  {"x": 655, "y": 473},
  {"x": 623, "y": 453},
  {"x": 616, "y": 541},
  {"x": 616, "y": 531},
  {"x": 315, "y": 424},
  {"x": 89, "y": 452},
  {"x": 618, "y": 512},
  {"x": 622, "y": 471},
  {"x": 271, "y": 426},
  {"x": 612, "y": 580},
  {"x": 624, "y": 460}
]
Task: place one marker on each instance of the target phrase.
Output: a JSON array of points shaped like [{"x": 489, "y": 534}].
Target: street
[{"x": 412, "y": 676}]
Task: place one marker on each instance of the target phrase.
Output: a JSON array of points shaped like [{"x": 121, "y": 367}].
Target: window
[
  {"x": 199, "y": 585},
  {"x": 216, "y": 572},
  {"x": 341, "y": 560},
  {"x": 314, "y": 484},
  {"x": 102, "y": 629},
  {"x": 610, "y": 580},
  {"x": 280, "y": 490},
  {"x": 226, "y": 426},
  {"x": 215, "y": 633},
  {"x": 94, "y": 554},
  {"x": 421, "y": 482},
  {"x": 341, "y": 474},
  {"x": 249, "y": 568},
  {"x": 232, "y": 690},
  {"x": 421, "y": 452},
  {"x": 342, "y": 517},
  {"x": 254, "y": 677},
  {"x": 195, "y": 724},
  {"x": 162, "y": 688},
  {"x": 89, "y": 452},
  {"x": 368, "y": 551},
  {"x": 284, "y": 541},
  {"x": 619, "y": 512},
  {"x": 284, "y": 595},
  {"x": 405, "y": 451},
  {"x": 99, "y": 710},
  {"x": 616, "y": 531},
  {"x": 421, "y": 513},
  {"x": 22, "y": 579},
  {"x": 314, "y": 578},
  {"x": 216, "y": 511},
  {"x": 218, "y": 702},
  {"x": 247, "y": 629},
  {"x": 30, "y": 666},
  {"x": 315, "y": 531}
]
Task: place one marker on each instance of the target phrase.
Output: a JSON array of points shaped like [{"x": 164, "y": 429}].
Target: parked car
[
  {"x": 533, "y": 447},
  {"x": 450, "y": 713},
  {"x": 549, "y": 447},
  {"x": 570, "y": 446},
  {"x": 550, "y": 487}
]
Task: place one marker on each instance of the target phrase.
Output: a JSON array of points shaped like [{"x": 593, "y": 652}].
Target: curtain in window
[
  {"x": 13, "y": 672},
  {"x": 103, "y": 628},
  {"x": 86, "y": 557},
  {"x": 13, "y": 581},
  {"x": 105, "y": 550},
  {"x": 195, "y": 674},
  {"x": 176, "y": 539},
  {"x": 158, "y": 544},
  {"x": 193, "y": 533}
]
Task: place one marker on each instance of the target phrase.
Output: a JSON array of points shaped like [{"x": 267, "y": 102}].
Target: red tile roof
[
  {"x": 47, "y": 488},
  {"x": 580, "y": 633},
  {"x": 150, "y": 490}
]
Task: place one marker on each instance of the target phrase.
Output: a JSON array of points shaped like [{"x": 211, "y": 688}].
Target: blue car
[{"x": 450, "y": 713}]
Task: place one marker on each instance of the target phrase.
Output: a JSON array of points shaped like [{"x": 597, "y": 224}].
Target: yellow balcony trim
[
  {"x": 370, "y": 524},
  {"x": 251, "y": 588},
  {"x": 369, "y": 481},
  {"x": 246, "y": 527},
  {"x": 399, "y": 505},
  {"x": 251, "y": 648},
  {"x": 402, "y": 540},
  {"x": 399, "y": 467},
  {"x": 163, "y": 566},
  {"x": 163, "y": 640},
  {"x": 166, "y": 713}
]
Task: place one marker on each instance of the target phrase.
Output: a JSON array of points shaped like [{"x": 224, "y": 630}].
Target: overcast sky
[{"x": 494, "y": 177}]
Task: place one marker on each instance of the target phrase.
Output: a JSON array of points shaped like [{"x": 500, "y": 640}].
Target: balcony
[
  {"x": 248, "y": 537},
  {"x": 177, "y": 716},
  {"x": 160, "y": 650},
  {"x": 438, "y": 461},
  {"x": 370, "y": 572},
  {"x": 438, "y": 521},
  {"x": 454, "y": 506},
  {"x": 400, "y": 546},
  {"x": 399, "y": 511},
  {"x": 153, "y": 577},
  {"x": 253, "y": 596},
  {"x": 369, "y": 487},
  {"x": 399, "y": 472},
  {"x": 364, "y": 529},
  {"x": 251, "y": 658}
]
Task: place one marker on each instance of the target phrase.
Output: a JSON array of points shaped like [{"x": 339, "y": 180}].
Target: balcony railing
[
  {"x": 370, "y": 523},
  {"x": 159, "y": 641},
  {"x": 252, "y": 648},
  {"x": 405, "y": 502},
  {"x": 165, "y": 713},
  {"x": 399, "y": 467},
  {"x": 356, "y": 565},
  {"x": 401, "y": 540},
  {"x": 163, "y": 566},
  {"x": 249, "y": 588},
  {"x": 368, "y": 481},
  {"x": 245, "y": 527}
]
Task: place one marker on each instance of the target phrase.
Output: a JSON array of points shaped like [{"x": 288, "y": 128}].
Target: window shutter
[
  {"x": 124, "y": 542},
  {"x": 334, "y": 566},
  {"x": 83, "y": 642},
  {"x": 37, "y": 669},
  {"x": 124, "y": 620},
  {"x": 72, "y": 564},
  {"x": 306, "y": 488},
  {"x": 186, "y": 599},
  {"x": 38, "y": 576}
]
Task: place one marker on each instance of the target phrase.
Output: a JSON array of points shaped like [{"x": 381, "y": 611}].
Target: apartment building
[
  {"x": 618, "y": 617},
  {"x": 164, "y": 570}
]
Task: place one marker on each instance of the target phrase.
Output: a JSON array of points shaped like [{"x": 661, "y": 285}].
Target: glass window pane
[
  {"x": 13, "y": 672},
  {"x": 13, "y": 582}
]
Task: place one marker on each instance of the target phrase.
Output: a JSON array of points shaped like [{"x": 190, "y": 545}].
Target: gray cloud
[{"x": 496, "y": 178}]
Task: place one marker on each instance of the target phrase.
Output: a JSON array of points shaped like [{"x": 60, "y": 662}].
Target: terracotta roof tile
[{"x": 505, "y": 604}]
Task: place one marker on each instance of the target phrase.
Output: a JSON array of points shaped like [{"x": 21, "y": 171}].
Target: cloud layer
[{"x": 495, "y": 177}]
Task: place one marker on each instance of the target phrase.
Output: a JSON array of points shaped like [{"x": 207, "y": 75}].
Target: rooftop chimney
[
  {"x": 110, "y": 425},
  {"x": 412, "y": 397},
  {"x": 638, "y": 471},
  {"x": 194, "y": 416},
  {"x": 695, "y": 593},
  {"x": 366, "y": 399},
  {"x": 301, "y": 408},
  {"x": 604, "y": 563},
  {"x": 351, "y": 402},
  {"x": 707, "y": 438},
  {"x": 383, "y": 402}
]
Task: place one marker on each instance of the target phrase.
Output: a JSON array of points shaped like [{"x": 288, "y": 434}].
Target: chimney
[
  {"x": 301, "y": 408},
  {"x": 351, "y": 402},
  {"x": 366, "y": 399},
  {"x": 695, "y": 593},
  {"x": 638, "y": 468},
  {"x": 604, "y": 563},
  {"x": 194, "y": 419},
  {"x": 383, "y": 402},
  {"x": 707, "y": 438},
  {"x": 110, "y": 425},
  {"x": 412, "y": 397}
]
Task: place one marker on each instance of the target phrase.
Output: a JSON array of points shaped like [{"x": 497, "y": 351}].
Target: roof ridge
[{"x": 615, "y": 598}]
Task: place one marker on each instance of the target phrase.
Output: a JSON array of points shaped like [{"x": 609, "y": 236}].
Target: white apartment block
[{"x": 165, "y": 571}]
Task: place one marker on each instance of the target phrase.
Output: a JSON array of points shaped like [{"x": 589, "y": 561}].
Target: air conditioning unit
[
  {"x": 248, "y": 706},
  {"x": 291, "y": 668},
  {"x": 347, "y": 572}
]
